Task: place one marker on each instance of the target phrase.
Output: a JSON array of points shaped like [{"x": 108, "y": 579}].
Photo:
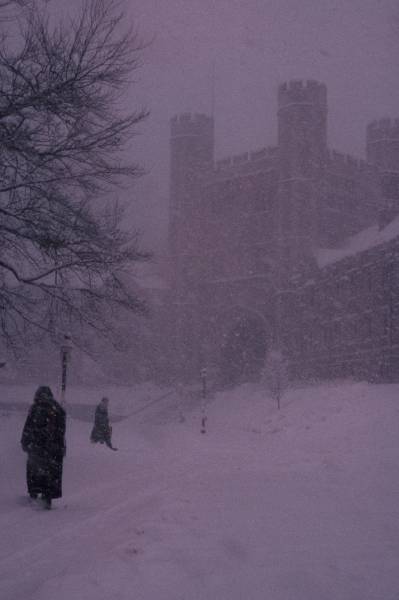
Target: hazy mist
[{"x": 253, "y": 46}]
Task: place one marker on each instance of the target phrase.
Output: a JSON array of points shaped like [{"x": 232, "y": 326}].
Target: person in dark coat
[
  {"x": 43, "y": 439},
  {"x": 102, "y": 430}
]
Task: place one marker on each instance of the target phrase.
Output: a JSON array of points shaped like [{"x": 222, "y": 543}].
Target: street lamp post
[
  {"x": 203, "y": 396},
  {"x": 66, "y": 349},
  {"x": 277, "y": 367}
]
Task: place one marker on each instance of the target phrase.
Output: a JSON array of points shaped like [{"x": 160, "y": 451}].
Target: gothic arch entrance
[{"x": 244, "y": 349}]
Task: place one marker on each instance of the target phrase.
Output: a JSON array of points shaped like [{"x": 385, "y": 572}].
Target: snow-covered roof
[{"x": 364, "y": 240}]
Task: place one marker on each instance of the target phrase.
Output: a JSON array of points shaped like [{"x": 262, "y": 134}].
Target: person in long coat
[
  {"x": 102, "y": 430},
  {"x": 43, "y": 439}
]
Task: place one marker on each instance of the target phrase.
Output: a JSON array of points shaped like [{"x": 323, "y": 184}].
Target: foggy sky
[{"x": 351, "y": 45}]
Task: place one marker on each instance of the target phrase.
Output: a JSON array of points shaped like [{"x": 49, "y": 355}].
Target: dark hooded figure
[
  {"x": 43, "y": 438},
  {"x": 102, "y": 430}
]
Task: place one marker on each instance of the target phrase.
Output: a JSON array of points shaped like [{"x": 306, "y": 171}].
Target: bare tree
[
  {"x": 11, "y": 9},
  {"x": 63, "y": 144}
]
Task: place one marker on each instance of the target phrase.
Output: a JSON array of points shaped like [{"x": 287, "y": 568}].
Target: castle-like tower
[
  {"x": 191, "y": 154},
  {"x": 302, "y": 146},
  {"x": 242, "y": 229},
  {"x": 383, "y": 151}
]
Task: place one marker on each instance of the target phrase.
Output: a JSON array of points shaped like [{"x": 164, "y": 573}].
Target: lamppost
[
  {"x": 66, "y": 349},
  {"x": 203, "y": 395},
  {"x": 276, "y": 364}
]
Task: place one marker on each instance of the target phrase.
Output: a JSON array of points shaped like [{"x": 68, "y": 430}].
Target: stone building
[{"x": 248, "y": 241}]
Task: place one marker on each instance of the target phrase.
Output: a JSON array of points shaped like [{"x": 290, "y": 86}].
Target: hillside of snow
[{"x": 296, "y": 504}]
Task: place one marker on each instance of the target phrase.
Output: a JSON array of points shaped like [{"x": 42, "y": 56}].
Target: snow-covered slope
[{"x": 300, "y": 504}]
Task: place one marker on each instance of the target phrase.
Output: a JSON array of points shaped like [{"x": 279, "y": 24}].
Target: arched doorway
[{"x": 244, "y": 350}]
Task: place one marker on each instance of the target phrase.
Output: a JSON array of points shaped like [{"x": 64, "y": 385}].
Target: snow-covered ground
[{"x": 300, "y": 504}]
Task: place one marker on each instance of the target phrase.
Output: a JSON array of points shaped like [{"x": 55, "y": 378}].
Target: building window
[
  {"x": 336, "y": 333},
  {"x": 388, "y": 275},
  {"x": 387, "y": 323}
]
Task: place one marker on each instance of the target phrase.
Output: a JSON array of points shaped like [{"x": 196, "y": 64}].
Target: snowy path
[{"x": 298, "y": 505}]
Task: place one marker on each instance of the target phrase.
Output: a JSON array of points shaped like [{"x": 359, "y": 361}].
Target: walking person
[
  {"x": 102, "y": 430},
  {"x": 43, "y": 439}
]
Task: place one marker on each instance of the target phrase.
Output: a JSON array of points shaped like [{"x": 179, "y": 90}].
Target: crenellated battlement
[
  {"x": 346, "y": 161},
  {"x": 383, "y": 129},
  {"x": 247, "y": 159},
  {"x": 348, "y": 165},
  {"x": 298, "y": 91},
  {"x": 191, "y": 124}
]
